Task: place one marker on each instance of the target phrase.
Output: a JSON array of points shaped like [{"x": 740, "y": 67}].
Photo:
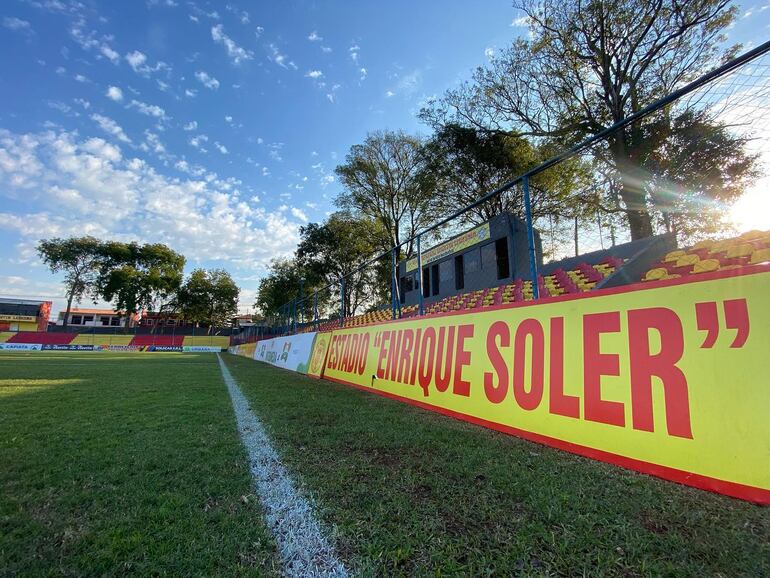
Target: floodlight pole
[
  {"x": 530, "y": 238},
  {"x": 421, "y": 309}
]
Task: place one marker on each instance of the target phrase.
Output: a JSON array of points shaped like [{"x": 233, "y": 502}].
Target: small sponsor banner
[
  {"x": 120, "y": 348},
  {"x": 201, "y": 349},
  {"x": 67, "y": 347},
  {"x": 28, "y": 318},
  {"x": 164, "y": 348},
  {"x": 290, "y": 352},
  {"x": 21, "y": 346}
]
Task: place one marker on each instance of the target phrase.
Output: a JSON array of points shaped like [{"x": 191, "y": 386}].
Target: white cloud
[
  {"x": 190, "y": 93},
  {"x": 110, "y": 53},
  {"x": 299, "y": 214},
  {"x": 206, "y": 80},
  {"x": 364, "y": 73},
  {"x": 114, "y": 93},
  {"x": 314, "y": 37},
  {"x": 138, "y": 62},
  {"x": 110, "y": 127},
  {"x": 326, "y": 49},
  {"x": 221, "y": 148},
  {"x": 279, "y": 58},
  {"x": 228, "y": 119},
  {"x": 389, "y": 94},
  {"x": 353, "y": 51},
  {"x": 192, "y": 125},
  {"x": 258, "y": 31},
  {"x": 489, "y": 52},
  {"x": 149, "y": 109},
  {"x": 89, "y": 187},
  {"x": 197, "y": 142},
  {"x": 236, "y": 53},
  {"x": 80, "y": 78},
  {"x": 17, "y": 25},
  {"x": 521, "y": 21},
  {"x": 314, "y": 74}
]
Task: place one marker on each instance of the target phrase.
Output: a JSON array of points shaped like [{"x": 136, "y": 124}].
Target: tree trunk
[
  {"x": 632, "y": 191},
  {"x": 67, "y": 313}
]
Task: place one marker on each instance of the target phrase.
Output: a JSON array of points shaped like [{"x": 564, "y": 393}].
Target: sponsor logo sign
[
  {"x": 67, "y": 347},
  {"x": 21, "y": 346},
  {"x": 30, "y": 318},
  {"x": 164, "y": 348},
  {"x": 201, "y": 349},
  {"x": 467, "y": 239},
  {"x": 669, "y": 379}
]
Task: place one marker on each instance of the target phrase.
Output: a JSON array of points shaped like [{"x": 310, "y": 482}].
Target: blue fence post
[
  {"x": 393, "y": 281},
  {"x": 315, "y": 310},
  {"x": 421, "y": 309},
  {"x": 530, "y": 239},
  {"x": 342, "y": 302}
]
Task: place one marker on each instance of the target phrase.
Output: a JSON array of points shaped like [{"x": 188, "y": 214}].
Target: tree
[
  {"x": 209, "y": 297},
  {"x": 335, "y": 249},
  {"x": 384, "y": 180},
  {"x": 78, "y": 258},
  {"x": 466, "y": 163},
  {"x": 283, "y": 282},
  {"x": 587, "y": 65},
  {"x": 136, "y": 277}
]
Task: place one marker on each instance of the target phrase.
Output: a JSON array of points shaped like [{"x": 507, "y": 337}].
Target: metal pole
[
  {"x": 342, "y": 302},
  {"x": 530, "y": 239},
  {"x": 421, "y": 309},
  {"x": 315, "y": 310},
  {"x": 393, "y": 281}
]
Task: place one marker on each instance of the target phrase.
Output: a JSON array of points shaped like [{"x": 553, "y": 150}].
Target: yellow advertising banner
[
  {"x": 670, "y": 378},
  {"x": 467, "y": 239},
  {"x": 318, "y": 354},
  {"x": 29, "y": 318}
]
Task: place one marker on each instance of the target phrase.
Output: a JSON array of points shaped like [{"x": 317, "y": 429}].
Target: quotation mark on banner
[{"x": 736, "y": 317}]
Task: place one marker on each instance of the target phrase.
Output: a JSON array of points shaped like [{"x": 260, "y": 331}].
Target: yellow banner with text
[{"x": 671, "y": 379}]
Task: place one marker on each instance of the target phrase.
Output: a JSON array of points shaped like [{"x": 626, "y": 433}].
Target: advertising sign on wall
[
  {"x": 290, "y": 352},
  {"x": 21, "y": 346},
  {"x": 459, "y": 243},
  {"x": 201, "y": 349},
  {"x": 669, "y": 379}
]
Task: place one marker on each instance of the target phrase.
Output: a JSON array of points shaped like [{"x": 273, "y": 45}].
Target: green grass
[
  {"x": 409, "y": 492},
  {"x": 124, "y": 464}
]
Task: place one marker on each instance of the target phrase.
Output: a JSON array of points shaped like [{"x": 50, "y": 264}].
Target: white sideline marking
[{"x": 302, "y": 545}]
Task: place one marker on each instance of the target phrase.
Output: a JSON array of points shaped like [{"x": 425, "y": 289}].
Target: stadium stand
[
  {"x": 751, "y": 248},
  {"x": 41, "y": 337}
]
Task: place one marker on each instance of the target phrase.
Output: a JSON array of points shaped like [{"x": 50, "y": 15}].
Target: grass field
[
  {"x": 123, "y": 464},
  {"x": 131, "y": 463}
]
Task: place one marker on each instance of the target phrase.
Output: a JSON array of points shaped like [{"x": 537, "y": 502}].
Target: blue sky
[{"x": 214, "y": 127}]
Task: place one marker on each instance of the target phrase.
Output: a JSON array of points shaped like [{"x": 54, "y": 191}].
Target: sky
[{"x": 215, "y": 127}]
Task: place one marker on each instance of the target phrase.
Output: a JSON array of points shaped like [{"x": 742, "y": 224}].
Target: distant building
[
  {"x": 486, "y": 256},
  {"x": 24, "y": 314},
  {"x": 246, "y": 320},
  {"x": 157, "y": 319},
  {"x": 82, "y": 317}
]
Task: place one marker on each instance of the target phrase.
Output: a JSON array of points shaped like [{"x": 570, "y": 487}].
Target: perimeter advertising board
[
  {"x": 290, "y": 352},
  {"x": 671, "y": 379}
]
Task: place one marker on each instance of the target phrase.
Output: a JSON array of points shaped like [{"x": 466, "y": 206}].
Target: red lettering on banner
[
  {"x": 427, "y": 357},
  {"x": 529, "y": 400},
  {"x": 363, "y": 350},
  {"x": 395, "y": 346},
  {"x": 462, "y": 358},
  {"x": 596, "y": 364},
  {"x": 415, "y": 360},
  {"x": 662, "y": 365},
  {"x": 405, "y": 360},
  {"x": 559, "y": 402},
  {"x": 383, "y": 352},
  {"x": 442, "y": 381},
  {"x": 497, "y": 393}
]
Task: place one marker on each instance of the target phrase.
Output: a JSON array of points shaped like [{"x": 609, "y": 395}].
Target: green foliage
[
  {"x": 209, "y": 297},
  {"x": 78, "y": 258},
  {"x": 587, "y": 65},
  {"x": 135, "y": 277},
  {"x": 282, "y": 283},
  {"x": 385, "y": 180}
]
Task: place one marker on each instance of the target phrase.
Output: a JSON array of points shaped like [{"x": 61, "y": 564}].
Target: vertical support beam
[
  {"x": 301, "y": 300},
  {"x": 342, "y": 302},
  {"x": 530, "y": 239},
  {"x": 393, "y": 283},
  {"x": 421, "y": 308},
  {"x": 315, "y": 310}
]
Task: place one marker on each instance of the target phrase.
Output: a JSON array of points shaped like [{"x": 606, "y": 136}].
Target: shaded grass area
[
  {"x": 411, "y": 492},
  {"x": 124, "y": 464}
]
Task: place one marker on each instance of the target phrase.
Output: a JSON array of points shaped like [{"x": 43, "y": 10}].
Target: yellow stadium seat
[
  {"x": 742, "y": 250},
  {"x": 655, "y": 274},
  {"x": 687, "y": 260},
  {"x": 760, "y": 256},
  {"x": 705, "y": 266},
  {"x": 673, "y": 255},
  {"x": 705, "y": 244}
]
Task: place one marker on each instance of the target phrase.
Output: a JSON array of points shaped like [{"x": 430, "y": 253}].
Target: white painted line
[{"x": 303, "y": 547}]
